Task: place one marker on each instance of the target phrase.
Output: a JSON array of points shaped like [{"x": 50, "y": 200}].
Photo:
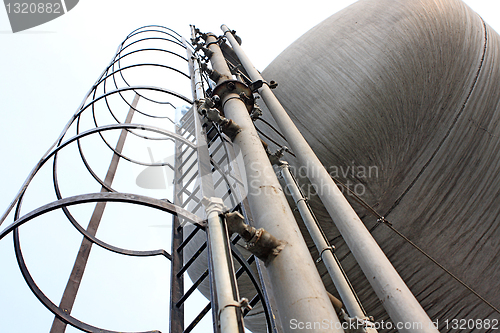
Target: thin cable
[
  {"x": 381, "y": 219},
  {"x": 236, "y": 69},
  {"x": 272, "y": 127},
  {"x": 440, "y": 266},
  {"x": 358, "y": 199},
  {"x": 276, "y": 143}
]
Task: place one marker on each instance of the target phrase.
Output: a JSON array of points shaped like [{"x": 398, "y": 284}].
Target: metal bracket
[
  {"x": 246, "y": 99},
  {"x": 329, "y": 248},
  {"x": 272, "y": 84},
  {"x": 218, "y": 41},
  {"x": 256, "y": 85},
  {"x": 233, "y": 32},
  {"x": 383, "y": 220},
  {"x": 230, "y": 128},
  {"x": 359, "y": 325},
  {"x": 256, "y": 113},
  {"x": 243, "y": 304},
  {"x": 236, "y": 69},
  {"x": 275, "y": 158}
]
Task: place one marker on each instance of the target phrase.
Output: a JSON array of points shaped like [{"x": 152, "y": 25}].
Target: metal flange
[{"x": 234, "y": 87}]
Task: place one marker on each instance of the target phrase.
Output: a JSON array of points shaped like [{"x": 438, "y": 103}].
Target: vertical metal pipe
[
  {"x": 230, "y": 314},
  {"x": 396, "y": 297},
  {"x": 300, "y": 293},
  {"x": 324, "y": 248}
]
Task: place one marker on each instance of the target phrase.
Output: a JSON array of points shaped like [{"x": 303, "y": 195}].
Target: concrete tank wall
[{"x": 410, "y": 89}]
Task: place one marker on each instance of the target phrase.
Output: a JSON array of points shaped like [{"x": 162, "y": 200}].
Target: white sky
[{"x": 46, "y": 71}]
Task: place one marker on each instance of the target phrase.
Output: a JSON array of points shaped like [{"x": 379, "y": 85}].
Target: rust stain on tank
[{"x": 274, "y": 188}]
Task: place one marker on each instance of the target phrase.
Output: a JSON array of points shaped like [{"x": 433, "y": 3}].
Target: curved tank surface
[{"x": 400, "y": 101}]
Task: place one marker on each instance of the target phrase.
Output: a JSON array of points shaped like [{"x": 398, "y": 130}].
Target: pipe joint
[
  {"x": 258, "y": 241},
  {"x": 228, "y": 126},
  {"x": 229, "y": 89},
  {"x": 264, "y": 245},
  {"x": 212, "y": 73},
  {"x": 208, "y": 53}
]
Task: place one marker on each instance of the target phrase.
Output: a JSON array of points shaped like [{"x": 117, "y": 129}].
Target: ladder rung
[
  {"x": 192, "y": 259},
  {"x": 188, "y": 238},
  {"x": 192, "y": 289},
  {"x": 198, "y": 318}
]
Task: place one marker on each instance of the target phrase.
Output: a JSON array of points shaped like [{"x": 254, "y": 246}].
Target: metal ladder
[{"x": 213, "y": 161}]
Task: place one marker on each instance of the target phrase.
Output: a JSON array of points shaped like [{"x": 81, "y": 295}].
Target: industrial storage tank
[{"x": 400, "y": 101}]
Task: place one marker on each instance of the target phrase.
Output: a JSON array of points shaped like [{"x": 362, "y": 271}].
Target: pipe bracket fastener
[
  {"x": 329, "y": 248},
  {"x": 219, "y": 40},
  {"x": 243, "y": 304},
  {"x": 383, "y": 220}
]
